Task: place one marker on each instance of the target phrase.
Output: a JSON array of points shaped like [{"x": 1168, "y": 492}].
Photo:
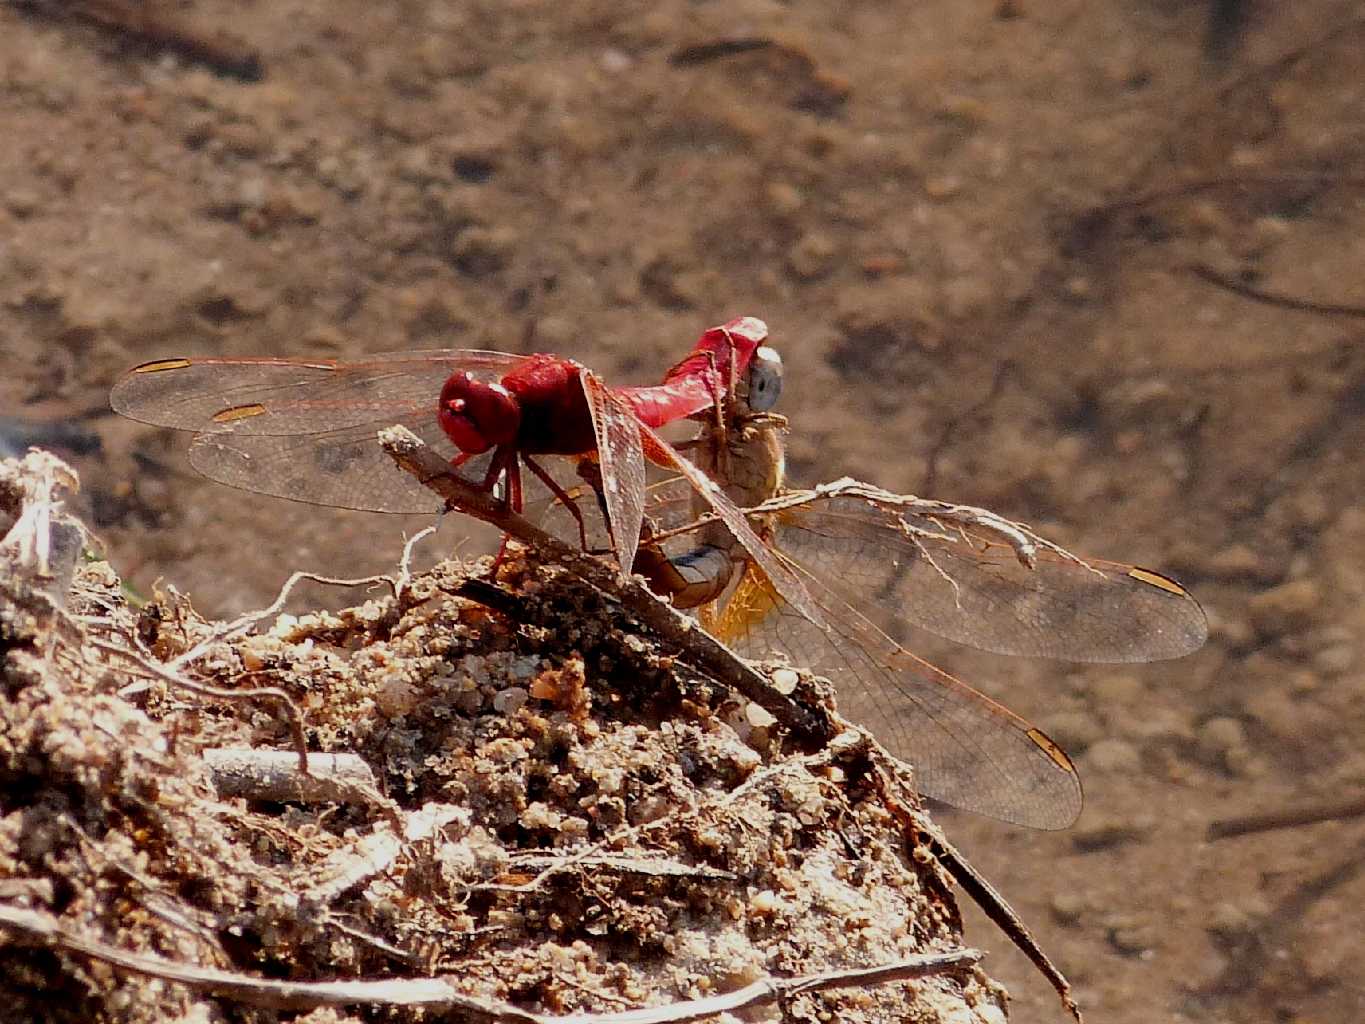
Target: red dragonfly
[
  {"x": 874, "y": 562},
  {"x": 305, "y": 429}
]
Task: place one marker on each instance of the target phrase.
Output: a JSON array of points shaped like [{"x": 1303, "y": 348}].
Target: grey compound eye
[{"x": 765, "y": 379}]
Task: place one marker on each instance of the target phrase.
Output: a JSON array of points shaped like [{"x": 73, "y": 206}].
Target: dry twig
[
  {"x": 276, "y": 775},
  {"x": 888, "y": 779},
  {"x": 439, "y": 993},
  {"x": 248, "y": 620},
  {"x": 169, "y": 675},
  {"x": 648, "y": 865},
  {"x": 157, "y": 23},
  {"x": 1287, "y": 817}
]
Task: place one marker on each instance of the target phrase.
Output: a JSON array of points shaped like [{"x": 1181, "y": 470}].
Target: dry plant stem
[
  {"x": 251, "y": 619},
  {"x": 375, "y": 853},
  {"x": 405, "y": 563},
  {"x": 1288, "y": 817},
  {"x": 437, "y": 993},
  {"x": 174, "y": 678},
  {"x": 276, "y": 775},
  {"x": 1247, "y": 291},
  {"x": 159, "y": 24},
  {"x": 653, "y": 867},
  {"x": 983, "y": 894},
  {"x": 697, "y": 647}
]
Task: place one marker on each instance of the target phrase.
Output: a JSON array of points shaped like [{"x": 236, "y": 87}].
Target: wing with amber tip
[
  {"x": 967, "y": 585},
  {"x": 966, "y": 749},
  {"x": 305, "y": 429}
]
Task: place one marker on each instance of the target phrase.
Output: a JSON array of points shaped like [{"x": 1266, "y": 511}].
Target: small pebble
[
  {"x": 784, "y": 199},
  {"x": 764, "y": 902},
  {"x": 1235, "y": 920},
  {"x": 785, "y": 680},
  {"x": 1241, "y": 762},
  {"x": 22, "y": 203},
  {"x": 942, "y": 186},
  {"x": 555, "y": 333},
  {"x": 1219, "y": 735},
  {"x": 1288, "y": 608},
  {"x": 482, "y": 251},
  {"x": 759, "y": 717},
  {"x": 1135, "y": 939},
  {"x": 1119, "y": 690},
  {"x": 1155, "y": 725},
  {"x": 1107, "y": 834},
  {"x": 812, "y": 256},
  {"x": 1113, "y": 756},
  {"x": 1334, "y": 660},
  {"x": 510, "y": 700},
  {"x": 1239, "y": 562},
  {"x": 1067, "y": 907}
]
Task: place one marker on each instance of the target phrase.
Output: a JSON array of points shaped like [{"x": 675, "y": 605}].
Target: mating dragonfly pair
[{"x": 830, "y": 577}]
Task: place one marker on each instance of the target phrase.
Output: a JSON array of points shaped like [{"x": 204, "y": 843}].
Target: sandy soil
[
  {"x": 533, "y": 808},
  {"x": 988, "y": 238}
]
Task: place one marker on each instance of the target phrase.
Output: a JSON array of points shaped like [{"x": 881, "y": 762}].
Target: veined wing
[
  {"x": 294, "y": 396},
  {"x": 669, "y": 505},
  {"x": 305, "y": 429},
  {"x": 786, "y": 582},
  {"x": 966, "y": 749},
  {"x": 341, "y": 468},
  {"x": 970, "y": 587},
  {"x": 621, "y": 455}
]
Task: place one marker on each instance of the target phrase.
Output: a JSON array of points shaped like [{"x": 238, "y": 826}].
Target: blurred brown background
[{"x": 1097, "y": 266}]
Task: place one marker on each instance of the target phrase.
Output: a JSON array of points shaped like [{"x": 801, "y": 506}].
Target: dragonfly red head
[{"x": 476, "y": 415}]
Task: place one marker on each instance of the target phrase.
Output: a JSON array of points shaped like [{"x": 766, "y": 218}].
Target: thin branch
[
  {"x": 438, "y": 993},
  {"x": 373, "y": 854},
  {"x": 405, "y": 563},
  {"x": 888, "y": 779},
  {"x": 1247, "y": 291},
  {"x": 169, "y": 675},
  {"x": 251, "y": 619},
  {"x": 1287, "y": 817},
  {"x": 648, "y": 865},
  {"x": 277, "y": 776},
  {"x": 159, "y": 24}
]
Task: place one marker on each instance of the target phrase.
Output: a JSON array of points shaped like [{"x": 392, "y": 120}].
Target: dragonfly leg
[
  {"x": 590, "y": 471},
  {"x": 563, "y": 497},
  {"x": 504, "y": 464},
  {"x": 721, "y": 396}
]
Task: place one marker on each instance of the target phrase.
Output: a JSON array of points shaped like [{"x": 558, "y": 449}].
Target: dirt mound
[{"x": 499, "y": 817}]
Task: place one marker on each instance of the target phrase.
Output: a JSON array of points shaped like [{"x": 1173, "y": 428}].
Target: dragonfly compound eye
[
  {"x": 765, "y": 379},
  {"x": 476, "y": 415}
]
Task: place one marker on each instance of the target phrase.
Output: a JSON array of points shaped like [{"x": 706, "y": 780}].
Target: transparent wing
[
  {"x": 306, "y": 429},
  {"x": 786, "y": 582},
  {"x": 293, "y": 396},
  {"x": 966, "y": 749},
  {"x": 621, "y": 456},
  {"x": 343, "y": 468},
  {"x": 969, "y": 587}
]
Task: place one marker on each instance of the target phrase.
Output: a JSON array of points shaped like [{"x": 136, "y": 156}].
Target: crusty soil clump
[{"x": 563, "y": 819}]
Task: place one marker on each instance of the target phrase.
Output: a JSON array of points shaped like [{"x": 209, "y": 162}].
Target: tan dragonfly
[{"x": 874, "y": 562}]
